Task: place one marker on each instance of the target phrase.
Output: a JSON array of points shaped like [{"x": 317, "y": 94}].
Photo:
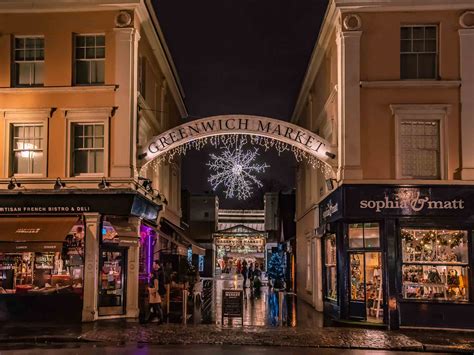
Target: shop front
[
  {"x": 71, "y": 256},
  {"x": 41, "y": 268},
  {"x": 236, "y": 245},
  {"x": 399, "y": 255}
]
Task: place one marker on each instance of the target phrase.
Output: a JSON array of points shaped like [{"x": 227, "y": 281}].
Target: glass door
[
  {"x": 112, "y": 280},
  {"x": 366, "y": 290}
]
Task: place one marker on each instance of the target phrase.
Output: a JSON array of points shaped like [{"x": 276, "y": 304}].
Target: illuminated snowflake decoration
[{"x": 235, "y": 169}]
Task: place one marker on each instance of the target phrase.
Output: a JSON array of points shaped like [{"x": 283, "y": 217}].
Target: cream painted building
[
  {"x": 387, "y": 239},
  {"x": 82, "y": 86}
]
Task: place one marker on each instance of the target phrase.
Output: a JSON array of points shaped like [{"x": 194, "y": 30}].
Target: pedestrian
[
  {"x": 154, "y": 297},
  {"x": 244, "y": 272}
]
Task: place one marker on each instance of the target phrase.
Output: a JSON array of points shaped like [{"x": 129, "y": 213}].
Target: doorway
[
  {"x": 366, "y": 288},
  {"x": 112, "y": 280}
]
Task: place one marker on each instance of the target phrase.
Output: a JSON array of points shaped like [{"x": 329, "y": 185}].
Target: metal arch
[{"x": 282, "y": 131}]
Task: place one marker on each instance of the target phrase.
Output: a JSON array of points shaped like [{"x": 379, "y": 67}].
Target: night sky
[{"x": 240, "y": 57}]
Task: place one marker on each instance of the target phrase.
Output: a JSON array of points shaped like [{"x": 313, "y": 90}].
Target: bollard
[
  {"x": 185, "y": 306},
  {"x": 281, "y": 295}
]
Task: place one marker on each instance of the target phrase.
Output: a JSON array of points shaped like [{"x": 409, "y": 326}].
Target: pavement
[
  {"x": 92, "y": 349},
  {"x": 123, "y": 333}
]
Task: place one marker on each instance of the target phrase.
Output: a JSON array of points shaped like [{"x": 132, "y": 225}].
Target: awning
[
  {"x": 195, "y": 248},
  {"x": 35, "y": 229}
]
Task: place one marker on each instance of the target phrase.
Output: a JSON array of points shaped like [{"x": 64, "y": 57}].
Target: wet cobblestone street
[{"x": 259, "y": 329}]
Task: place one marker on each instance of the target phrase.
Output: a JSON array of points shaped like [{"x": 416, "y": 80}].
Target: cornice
[
  {"x": 317, "y": 56},
  {"x": 39, "y": 6},
  {"x": 152, "y": 29},
  {"x": 400, "y": 84},
  {"x": 58, "y": 89},
  {"x": 401, "y": 5}
]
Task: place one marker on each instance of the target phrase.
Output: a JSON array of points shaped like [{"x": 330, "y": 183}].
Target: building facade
[
  {"x": 388, "y": 238},
  {"x": 82, "y": 87}
]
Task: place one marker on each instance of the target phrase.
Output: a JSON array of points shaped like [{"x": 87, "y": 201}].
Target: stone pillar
[
  {"x": 466, "y": 37},
  {"x": 123, "y": 143},
  {"x": 91, "y": 267},
  {"x": 348, "y": 84},
  {"x": 132, "y": 309}
]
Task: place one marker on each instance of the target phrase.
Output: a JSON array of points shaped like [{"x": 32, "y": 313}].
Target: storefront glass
[
  {"x": 112, "y": 280},
  {"x": 365, "y": 271},
  {"x": 331, "y": 267},
  {"x": 43, "y": 267},
  {"x": 435, "y": 264}
]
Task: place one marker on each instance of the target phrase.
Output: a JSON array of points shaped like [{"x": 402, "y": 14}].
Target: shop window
[
  {"x": 418, "y": 52},
  {"x": 28, "y": 57},
  {"x": 309, "y": 273},
  {"x": 364, "y": 235},
  {"x": 88, "y": 148},
  {"x": 420, "y": 149},
  {"x": 331, "y": 267},
  {"x": 43, "y": 267},
  {"x": 89, "y": 59},
  {"x": 435, "y": 264},
  {"x": 27, "y": 152}
]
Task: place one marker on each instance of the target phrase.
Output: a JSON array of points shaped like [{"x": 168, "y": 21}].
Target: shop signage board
[
  {"x": 282, "y": 131},
  {"x": 232, "y": 304},
  {"x": 74, "y": 203},
  {"x": 383, "y": 200}
]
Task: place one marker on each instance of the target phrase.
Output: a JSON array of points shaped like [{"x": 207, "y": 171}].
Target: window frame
[
  {"x": 420, "y": 113},
  {"x": 33, "y": 117},
  {"x": 437, "y": 56},
  {"x": 74, "y": 59},
  {"x": 14, "y": 62},
  {"x": 87, "y": 116}
]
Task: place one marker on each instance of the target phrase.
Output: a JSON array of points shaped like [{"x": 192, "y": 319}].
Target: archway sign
[{"x": 281, "y": 131}]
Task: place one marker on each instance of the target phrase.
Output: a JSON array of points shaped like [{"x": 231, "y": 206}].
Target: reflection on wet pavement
[{"x": 262, "y": 310}]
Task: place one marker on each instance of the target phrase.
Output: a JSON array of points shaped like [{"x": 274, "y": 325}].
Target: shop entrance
[
  {"x": 366, "y": 288},
  {"x": 112, "y": 280}
]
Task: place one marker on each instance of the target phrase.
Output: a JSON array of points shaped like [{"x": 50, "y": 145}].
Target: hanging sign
[{"x": 282, "y": 131}]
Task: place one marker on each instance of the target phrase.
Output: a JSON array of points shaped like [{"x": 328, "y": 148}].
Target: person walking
[
  {"x": 245, "y": 272},
  {"x": 154, "y": 297}
]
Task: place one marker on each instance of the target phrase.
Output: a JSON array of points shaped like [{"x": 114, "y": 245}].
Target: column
[
  {"x": 349, "y": 154},
  {"x": 132, "y": 309},
  {"x": 91, "y": 266},
  {"x": 466, "y": 37},
  {"x": 123, "y": 147}
]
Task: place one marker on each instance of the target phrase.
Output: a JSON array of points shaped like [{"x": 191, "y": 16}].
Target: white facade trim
[
  {"x": 401, "y": 84},
  {"x": 152, "y": 30},
  {"x": 52, "y": 89},
  {"x": 87, "y": 115},
  {"x": 466, "y": 41},
  {"x": 317, "y": 56},
  {"x": 23, "y": 116},
  {"x": 435, "y": 112}
]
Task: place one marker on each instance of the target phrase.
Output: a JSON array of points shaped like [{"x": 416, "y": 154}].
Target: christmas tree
[{"x": 275, "y": 270}]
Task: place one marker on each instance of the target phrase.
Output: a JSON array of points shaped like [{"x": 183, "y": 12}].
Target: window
[
  {"x": 88, "y": 148},
  {"x": 330, "y": 261},
  {"x": 435, "y": 264},
  {"x": 418, "y": 52},
  {"x": 420, "y": 149},
  {"x": 364, "y": 235},
  {"x": 89, "y": 59},
  {"x": 28, "y": 58},
  {"x": 309, "y": 273},
  {"x": 27, "y": 149}
]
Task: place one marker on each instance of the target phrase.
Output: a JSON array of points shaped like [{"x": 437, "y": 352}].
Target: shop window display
[
  {"x": 45, "y": 272},
  {"x": 435, "y": 264},
  {"x": 331, "y": 267}
]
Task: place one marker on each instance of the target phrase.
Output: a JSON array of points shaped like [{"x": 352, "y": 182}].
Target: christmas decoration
[
  {"x": 257, "y": 141},
  {"x": 235, "y": 169},
  {"x": 276, "y": 270}
]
